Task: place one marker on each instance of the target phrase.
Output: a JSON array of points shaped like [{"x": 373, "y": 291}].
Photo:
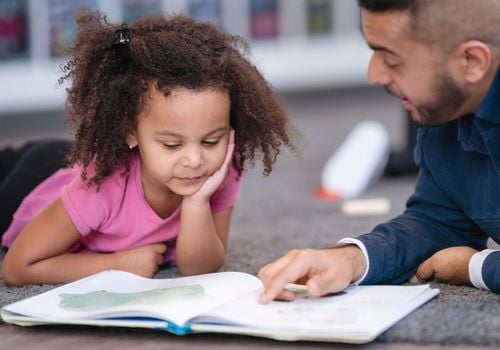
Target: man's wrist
[
  {"x": 361, "y": 263},
  {"x": 358, "y": 263},
  {"x": 476, "y": 267}
]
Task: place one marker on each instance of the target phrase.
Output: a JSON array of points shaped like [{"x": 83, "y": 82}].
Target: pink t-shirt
[{"x": 115, "y": 218}]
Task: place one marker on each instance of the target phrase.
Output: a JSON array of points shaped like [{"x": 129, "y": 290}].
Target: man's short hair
[
  {"x": 446, "y": 23},
  {"x": 386, "y": 5}
]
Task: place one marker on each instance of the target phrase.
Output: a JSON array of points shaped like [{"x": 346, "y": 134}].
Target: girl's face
[{"x": 182, "y": 139}]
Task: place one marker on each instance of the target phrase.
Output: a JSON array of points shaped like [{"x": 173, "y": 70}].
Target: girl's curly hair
[{"x": 110, "y": 84}]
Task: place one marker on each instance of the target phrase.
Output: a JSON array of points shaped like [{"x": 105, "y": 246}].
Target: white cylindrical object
[{"x": 358, "y": 161}]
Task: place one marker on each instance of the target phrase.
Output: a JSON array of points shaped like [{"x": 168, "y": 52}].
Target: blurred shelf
[
  {"x": 298, "y": 45},
  {"x": 330, "y": 63},
  {"x": 300, "y": 64}
]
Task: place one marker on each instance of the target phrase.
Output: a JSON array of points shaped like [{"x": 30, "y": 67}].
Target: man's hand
[
  {"x": 213, "y": 183},
  {"x": 143, "y": 261},
  {"x": 450, "y": 265},
  {"x": 322, "y": 271}
]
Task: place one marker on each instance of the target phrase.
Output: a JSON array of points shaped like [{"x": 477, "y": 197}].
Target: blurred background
[{"x": 311, "y": 51}]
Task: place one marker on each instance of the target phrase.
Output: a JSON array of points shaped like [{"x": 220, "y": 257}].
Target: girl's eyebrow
[
  {"x": 173, "y": 134},
  {"x": 222, "y": 128}
]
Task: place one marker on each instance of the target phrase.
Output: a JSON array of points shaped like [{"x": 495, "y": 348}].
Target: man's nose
[{"x": 377, "y": 72}]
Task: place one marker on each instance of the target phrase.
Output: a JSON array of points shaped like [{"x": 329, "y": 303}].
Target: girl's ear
[
  {"x": 131, "y": 140},
  {"x": 475, "y": 60}
]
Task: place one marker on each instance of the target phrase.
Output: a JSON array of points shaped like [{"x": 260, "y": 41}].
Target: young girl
[{"x": 159, "y": 107}]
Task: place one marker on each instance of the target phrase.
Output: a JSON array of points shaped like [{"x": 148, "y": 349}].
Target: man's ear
[{"x": 475, "y": 59}]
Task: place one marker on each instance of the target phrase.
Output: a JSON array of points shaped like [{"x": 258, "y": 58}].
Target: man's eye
[{"x": 391, "y": 64}]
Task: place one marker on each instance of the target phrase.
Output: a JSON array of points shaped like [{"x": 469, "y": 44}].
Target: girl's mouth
[{"x": 190, "y": 180}]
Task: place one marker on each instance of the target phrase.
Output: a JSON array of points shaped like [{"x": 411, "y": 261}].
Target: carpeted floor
[{"x": 278, "y": 213}]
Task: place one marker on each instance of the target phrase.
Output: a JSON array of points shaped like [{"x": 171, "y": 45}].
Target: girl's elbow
[
  {"x": 14, "y": 273},
  {"x": 10, "y": 277},
  {"x": 11, "y": 280},
  {"x": 190, "y": 269}
]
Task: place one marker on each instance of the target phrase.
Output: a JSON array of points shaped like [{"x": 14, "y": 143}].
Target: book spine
[{"x": 178, "y": 330}]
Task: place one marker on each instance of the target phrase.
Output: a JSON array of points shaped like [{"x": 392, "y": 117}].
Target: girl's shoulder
[
  {"x": 93, "y": 206},
  {"x": 111, "y": 191}
]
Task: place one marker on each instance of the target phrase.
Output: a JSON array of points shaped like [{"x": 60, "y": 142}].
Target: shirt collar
[
  {"x": 481, "y": 131},
  {"x": 489, "y": 109}
]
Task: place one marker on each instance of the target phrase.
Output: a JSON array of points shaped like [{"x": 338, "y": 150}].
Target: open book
[{"x": 224, "y": 302}]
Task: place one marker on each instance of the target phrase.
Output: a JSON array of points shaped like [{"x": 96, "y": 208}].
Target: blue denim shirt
[{"x": 456, "y": 200}]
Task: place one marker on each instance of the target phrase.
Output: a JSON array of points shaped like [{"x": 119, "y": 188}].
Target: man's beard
[{"x": 448, "y": 99}]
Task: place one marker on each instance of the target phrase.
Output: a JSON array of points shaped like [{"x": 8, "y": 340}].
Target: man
[{"x": 442, "y": 59}]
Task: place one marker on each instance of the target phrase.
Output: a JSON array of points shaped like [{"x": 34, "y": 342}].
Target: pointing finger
[
  {"x": 298, "y": 267},
  {"x": 267, "y": 272}
]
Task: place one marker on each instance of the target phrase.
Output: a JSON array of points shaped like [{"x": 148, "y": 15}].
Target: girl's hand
[
  {"x": 143, "y": 261},
  {"x": 213, "y": 182}
]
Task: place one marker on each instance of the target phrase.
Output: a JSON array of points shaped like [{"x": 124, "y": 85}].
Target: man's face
[{"x": 411, "y": 70}]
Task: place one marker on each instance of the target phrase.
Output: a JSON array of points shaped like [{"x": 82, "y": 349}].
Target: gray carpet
[
  {"x": 287, "y": 217},
  {"x": 278, "y": 213}
]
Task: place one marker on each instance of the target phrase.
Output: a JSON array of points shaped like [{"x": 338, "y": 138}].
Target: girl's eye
[
  {"x": 171, "y": 145},
  {"x": 211, "y": 143}
]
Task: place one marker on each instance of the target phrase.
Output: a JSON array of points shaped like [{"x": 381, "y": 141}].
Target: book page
[
  {"x": 122, "y": 294},
  {"x": 356, "y": 311}
]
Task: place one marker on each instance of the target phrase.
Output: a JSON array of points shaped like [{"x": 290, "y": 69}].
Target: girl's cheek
[{"x": 217, "y": 161}]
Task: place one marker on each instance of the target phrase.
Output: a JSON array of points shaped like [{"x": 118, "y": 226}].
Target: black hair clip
[{"x": 122, "y": 37}]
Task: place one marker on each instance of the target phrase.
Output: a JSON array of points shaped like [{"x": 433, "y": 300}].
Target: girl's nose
[{"x": 193, "y": 158}]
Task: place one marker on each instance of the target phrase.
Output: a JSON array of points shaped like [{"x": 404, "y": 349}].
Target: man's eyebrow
[
  {"x": 382, "y": 48},
  {"x": 375, "y": 47}
]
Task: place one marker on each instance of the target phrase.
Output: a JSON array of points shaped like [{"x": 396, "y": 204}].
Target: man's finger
[
  {"x": 425, "y": 271},
  {"x": 297, "y": 268},
  {"x": 331, "y": 281},
  {"x": 270, "y": 270},
  {"x": 413, "y": 279},
  {"x": 286, "y": 295}
]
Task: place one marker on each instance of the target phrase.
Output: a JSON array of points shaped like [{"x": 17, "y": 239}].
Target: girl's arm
[
  {"x": 39, "y": 254},
  {"x": 201, "y": 244}
]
